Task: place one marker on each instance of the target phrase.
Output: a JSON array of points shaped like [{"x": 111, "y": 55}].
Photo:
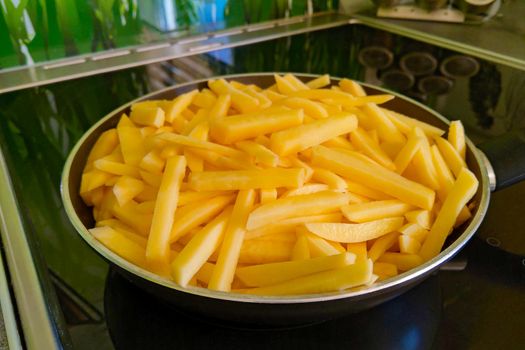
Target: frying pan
[{"x": 271, "y": 311}]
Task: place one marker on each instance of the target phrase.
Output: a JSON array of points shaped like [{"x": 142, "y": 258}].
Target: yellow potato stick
[
  {"x": 262, "y": 154},
  {"x": 295, "y": 206},
  {"x": 204, "y": 273},
  {"x": 220, "y": 108},
  {"x": 129, "y": 215},
  {"x": 429, "y": 130},
  {"x": 407, "y": 153},
  {"x": 301, "y": 137},
  {"x": 145, "y": 104},
  {"x": 359, "y": 249},
  {"x": 119, "y": 226},
  {"x": 374, "y": 176},
  {"x": 414, "y": 231},
  {"x": 199, "y": 144},
  {"x": 308, "y": 171},
  {"x": 339, "y": 142},
  {"x": 190, "y": 217},
  {"x": 104, "y": 145},
  {"x": 359, "y": 101},
  {"x": 174, "y": 108},
  {"x": 195, "y": 254},
  {"x": 318, "y": 246},
  {"x": 362, "y": 141},
  {"x": 456, "y": 137},
  {"x": 321, "y": 282},
  {"x": 201, "y": 116},
  {"x": 273, "y": 95},
  {"x": 298, "y": 84},
  {"x": 408, "y": 245},
  {"x": 364, "y": 191},
  {"x": 289, "y": 225},
  {"x": 194, "y": 162},
  {"x": 224, "y": 271},
  {"x": 148, "y": 193},
  {"x": 246, "y": 126},
  {"x": 352, "y": 233},
  {"x": 188, "y": 197},
  {"x": 362, "y": 212},
  {"x": 93, "y": 179},
  {"x": 267, "y": 195},
  {"x": 152, "y": 162},
  {"x": 463, "y": 216},
  {"x": 352, "y": 87},
  {"x": 374, "y": 135},
  {"x": 246, "y": 179},
  {"x": 279, "y": 236},
  {"x": 386, "y": 129},
  {"x": 125, "y": 121},
  {"x": 421, "y": 217},
  {"x": 306, "y": 189},
  {"x": 131, "y": 144},
  {"x": 116, "y": 168},
  {"x": 149, "y": 116},
  {"x": 146, "y": 207},
  {"x": 200, "y": 132},
  {"x": 283, "y": 85},
  {"x": 329, "y": 178},
  {"x": 319, "y": 82},
  {"x": 402, "y": 261},
  {"x": 274, "y": 273},
  {"x": 323, "y": 94},
  {"x": 451, "y": 156},
  {"x": 463, "y": 190},
  {"x": 120, "y": 244},
  {"x": 385, "y": 269},
  {"x": 423, "y": 164},
  {"x": 204, "y": 99},
  {"x": 444, "y": 175},
  {"x": 240, "y": 100},
  {"x": 311, "y": 108},
  {"x": 301, "y": 249},
  {"x": 126, "y": 188},
  {"x": 264, "y": 102},
  {"x": 382, "y": 244},
  {"x": 158, "y": 247},
  {"x": 255, "y": 251}
]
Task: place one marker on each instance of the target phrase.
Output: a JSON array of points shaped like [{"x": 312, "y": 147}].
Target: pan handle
[{"x": 507, "y": 157}]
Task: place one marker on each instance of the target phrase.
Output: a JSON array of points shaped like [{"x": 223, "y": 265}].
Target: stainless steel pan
[{"x": 289, "y": 310}]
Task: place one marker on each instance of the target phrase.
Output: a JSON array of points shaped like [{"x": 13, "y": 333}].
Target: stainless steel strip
[
  {"x": 41, "y": 74},
  {"x": 35, "y": 318},
  {"x": 7, "y": 313}
]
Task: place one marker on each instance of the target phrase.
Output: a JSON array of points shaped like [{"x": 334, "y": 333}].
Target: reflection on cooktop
[{"x": 136, "y": 320}]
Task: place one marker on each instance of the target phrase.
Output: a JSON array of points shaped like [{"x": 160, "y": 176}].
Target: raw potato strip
[
  {"x": 299, "y": 138},
  {"x": 444, "y": 175},
  {"x": 120, "y": 244},
  {"x": 429, "y": 130},
  {"x": 361, "y": 140},
  {"x": 352, "y": 87},
  {"x": 311, "y": 108},
  {"x": 382, "y": 244},
  {"x": 321, "y": 282},
  {"x": 456, "y": 137},
  {"x": 289, "y": 225},
  {"x": 269, "y": 274},
  {"x": 195, "y": 254},
  {"x": 245, "y": 126},
  {"x": 187, "y": 197},
  {"x": 224, "y": 270},
  {"x": 192, "y": 216},
  {"x": 359, "y": 249},
  {"x": 329, "y": 178},
  {"x": 262, "y": 251},
  {"x": 386, "y": 129},
  {"x": 163, "y": 215},
  {"x": 220, "y": 108},
  {"x": 407, "y": 153},
  {"x": 362, "y": 212},
  {"x": 240, "y": 100},
  {"x": 131, "y": 144},
  {"x": 283, "y": 85},
  {"x": 150, "y": 116},
  {"x": 404, "y": 262},
  {"x": 463, "y": 190},
  {"x": 261, "y": 154},
  {"x": 375, "y": 176},
  {"x": 422, "y": 161},
  {"x": 194, "y": 143},
  {"x": 246, "y": 179},
  {"x": 353, "y": 233},
  {"x": 318, "y": 246},
  {"x": 319, "y": 82},
  {"x": 174, "y": 108},
  {"x": 300, "y": 251},
  {"x": 267, "y": 195},
  {"x": 104, "y": 145},
  {"x": 451, "y": 156},
  {"x": 298, "y": 84},
  {"x": 295, "y": 206}
]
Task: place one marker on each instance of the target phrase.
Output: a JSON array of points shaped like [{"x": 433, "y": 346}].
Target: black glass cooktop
[{"x": 477, "y": 306}]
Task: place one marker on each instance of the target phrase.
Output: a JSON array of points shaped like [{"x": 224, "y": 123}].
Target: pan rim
[{"x": 356, "y": 293}]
